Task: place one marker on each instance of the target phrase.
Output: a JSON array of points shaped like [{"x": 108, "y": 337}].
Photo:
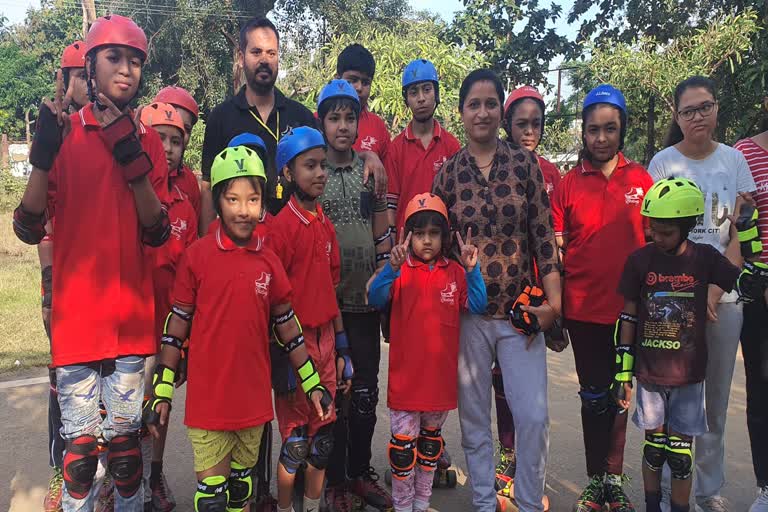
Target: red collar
[
  {"x": 88, "y": 119},
  {"x": 226, "y": 244},
  {"x": 305, "y": 216},
  {"x": 586, "y": 165},
  {"x": 437, "y": 131},
  {"x": 414, "y": 263}
]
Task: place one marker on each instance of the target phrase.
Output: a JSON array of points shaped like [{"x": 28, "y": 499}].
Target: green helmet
[
  {"x": 673, "y": 198},
  {"x": 236, "y": 162}
]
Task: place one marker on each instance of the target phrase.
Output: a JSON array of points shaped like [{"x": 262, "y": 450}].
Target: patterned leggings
[{"x": 412, "y": 494}]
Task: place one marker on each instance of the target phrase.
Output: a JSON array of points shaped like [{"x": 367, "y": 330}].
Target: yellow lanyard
[{"x": 274, "y": 135}]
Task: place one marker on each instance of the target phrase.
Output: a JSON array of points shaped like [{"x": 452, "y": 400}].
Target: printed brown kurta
[{"x": 509, "y": 215}]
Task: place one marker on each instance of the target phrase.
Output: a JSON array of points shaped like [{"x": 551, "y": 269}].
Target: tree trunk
[
  {"x": 4, "y": 152},
  {"x": 650, "y": 148},
  {"x": 89, "y": 16},
  {"x": 27, "y": 123}
]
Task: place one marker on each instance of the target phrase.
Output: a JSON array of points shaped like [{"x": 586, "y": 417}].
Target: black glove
[{"x": 47, "y": 140}]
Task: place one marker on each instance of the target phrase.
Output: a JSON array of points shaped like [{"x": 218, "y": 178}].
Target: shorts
[
  {"x": 295, "y": 410},
  {"x": 681, "y": 408},
  {"x": 211, "y": 446}
]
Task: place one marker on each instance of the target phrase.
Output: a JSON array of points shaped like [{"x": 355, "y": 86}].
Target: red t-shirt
[
  {"x": 424, "y": 336},
  {"x": 102, "y": 287},
  {"x": 600, "y": 219},
  {"x": 551, "y": 175},
  {"x": 186, "y": 180},
  {"x": 372, "y": 134},
  {"x": 232, "y": 290},
  {"x": 757, "y": 158},
  {"x": 183, "y": 219},
  {"x": 306, "y": 245},
  {"x": 411, "y": 169}
]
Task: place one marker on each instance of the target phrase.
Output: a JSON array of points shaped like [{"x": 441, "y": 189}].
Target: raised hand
[
  {"x": 468, "y": 254},
  {"x": 399, "y": 252},
  {"x": 107, "y": 116}
]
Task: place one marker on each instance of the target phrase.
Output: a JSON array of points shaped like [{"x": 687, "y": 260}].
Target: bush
[{"x": 11, "y": 191}]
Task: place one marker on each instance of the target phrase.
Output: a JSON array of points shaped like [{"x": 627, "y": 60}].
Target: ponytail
[{"x": 674, "y": 134}]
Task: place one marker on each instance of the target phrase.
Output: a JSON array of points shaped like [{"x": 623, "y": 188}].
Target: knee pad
[
  {"x": 295, "y": 449},
  {"x": 124, "y": 463},
  {"x": 365, "y": 400},
  {"x": 402, "y": 455},
  {"x": 595, "y": 399},
  {"x": 212, "y": 494},
  {"x": 79, "y": 468},
  {"x": 321, "y": 448},
  {"x": 240, "y": 486},
  {"x": 429, "y": 446},
  {"x": 679, "y": 457},
  {"x": 655, "y": 450}
]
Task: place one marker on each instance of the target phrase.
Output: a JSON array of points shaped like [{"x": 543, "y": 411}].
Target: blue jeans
[{"x": 119, "y": 384}]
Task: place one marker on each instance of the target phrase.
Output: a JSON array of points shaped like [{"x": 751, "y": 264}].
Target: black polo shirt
[{"x": 234, "y": 116}]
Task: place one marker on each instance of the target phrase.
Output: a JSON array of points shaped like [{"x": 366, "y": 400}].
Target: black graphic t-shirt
[{"x": 671, "y": 293}]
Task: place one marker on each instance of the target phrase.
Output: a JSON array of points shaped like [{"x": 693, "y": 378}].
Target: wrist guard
[
  {"x": 47, "y": 140},
  {"x": 162, "y": 392},
  {"x": 752, "y": 281},
  {"x": 749, "y": 234},
  {"x": 343, "y": 352},
  {"x": 310, "y": 382},
  {"x": 120, "y": 136},
  {"x": 526, "y": 323}
]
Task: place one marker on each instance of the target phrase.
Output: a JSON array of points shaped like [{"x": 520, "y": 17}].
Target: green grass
[{"x": 22, "y": 337}]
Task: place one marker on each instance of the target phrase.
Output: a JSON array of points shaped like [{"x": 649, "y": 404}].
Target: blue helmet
[
  {"x": 605, "y": 93},
  {"x": 337, "y": 89},
  {"x": 421, "y": 70},
  {"x": 248, "y": 139},
  {"x": 296, "y": 142}
]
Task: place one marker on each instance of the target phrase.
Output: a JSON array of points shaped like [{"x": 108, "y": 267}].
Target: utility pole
[
  {"x": 650, "y": 147},
  {"x": 89, "y": 15}
]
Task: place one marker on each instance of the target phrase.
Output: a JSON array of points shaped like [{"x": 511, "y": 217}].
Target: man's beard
[{"x": 259, "y": 86}]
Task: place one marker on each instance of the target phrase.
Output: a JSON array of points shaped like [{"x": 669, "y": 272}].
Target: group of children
[{"x": 280, "y": 303}]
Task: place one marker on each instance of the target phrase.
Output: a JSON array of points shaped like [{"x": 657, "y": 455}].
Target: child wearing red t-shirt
[
  {"x": 229, "y": 287},
  {"x": 304, "y": 239},
  {"x": 165, "y": 120},
  {"x": 427, "y": 293},
  {"x": 102, "y": 328}
]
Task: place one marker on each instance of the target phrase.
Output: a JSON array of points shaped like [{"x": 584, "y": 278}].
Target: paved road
[{"x": 24, "y": 466}]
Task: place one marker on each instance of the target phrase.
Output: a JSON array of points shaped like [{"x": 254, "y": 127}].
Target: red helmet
[
  {"x": 520, "y": 93},
  {"x": 158, "y": 114},
  {"x": 425, "y": 202},
  {"x": 116, "y": 30},
  {"x": 73, "y": 56},
  {"x": 178, "y": 97}
]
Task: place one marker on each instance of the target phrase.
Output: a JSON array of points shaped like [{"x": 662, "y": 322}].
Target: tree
[
  {"x": 518, "y": 38},
  {"x": 21, "y": 88},
  {"x": 392, "y": 48}
]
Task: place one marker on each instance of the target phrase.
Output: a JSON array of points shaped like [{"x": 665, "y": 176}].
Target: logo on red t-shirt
[
  {"x": 262, "y": 284},
  {"x": 634, "y": 196},
  {"x": 178, "y": 227},
  {"x": 438, "y": 164},
  {"x": 367, "y": 143},
  {"x": 448, "y": 295}
]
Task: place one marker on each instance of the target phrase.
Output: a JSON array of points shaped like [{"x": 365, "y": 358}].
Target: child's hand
[
  {"x": 342, "y": 386},
  {"x": 317, "y": 401},
  {"x": 468, "y": 254},
  {"x": 400, "y": 251},
  {"x": 162, "y": 410},
  {"x": 624, "y": 399},
  {"x": 107, "y": 116}
]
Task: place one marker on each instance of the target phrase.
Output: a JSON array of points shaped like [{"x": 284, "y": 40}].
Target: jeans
[
  {"x": 754, "y": 346},
  {"x": 119, "y": 384}
]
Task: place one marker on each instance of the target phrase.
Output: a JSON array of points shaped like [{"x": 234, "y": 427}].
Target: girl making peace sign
[{"x": 428, "y": 292}]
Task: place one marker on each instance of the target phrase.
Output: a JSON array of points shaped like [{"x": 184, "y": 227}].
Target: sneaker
[
  {"x": 505, "y": 471},
  {"x": 368, "y": 489},
  {"x": 592, "y": 497},
  {"x": 162, "y": 497},
  {"x": 337, "y": 498},
  {"x": 614, "y": 494},
  {"x": 761, "y": 503},
  {"x": 713, "y": 504},
  {"x": 52, "y": 501}
]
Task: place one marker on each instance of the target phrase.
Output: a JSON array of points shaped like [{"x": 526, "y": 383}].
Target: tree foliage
[
  {"x": 392, "y": 49},
  {"x": 517, "y": 38}
]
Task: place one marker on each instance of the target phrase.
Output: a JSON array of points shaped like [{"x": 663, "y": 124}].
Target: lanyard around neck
[{"x": 274, "y": 135}]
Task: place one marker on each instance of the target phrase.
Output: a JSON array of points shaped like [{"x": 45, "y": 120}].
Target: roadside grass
[{"x": 22, "y": 337}]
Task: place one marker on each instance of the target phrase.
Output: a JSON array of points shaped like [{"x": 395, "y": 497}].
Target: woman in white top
[{"x": 722, "y": 173}]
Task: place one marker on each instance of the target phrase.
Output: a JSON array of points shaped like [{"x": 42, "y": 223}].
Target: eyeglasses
[{"x": 705, "y": 110}]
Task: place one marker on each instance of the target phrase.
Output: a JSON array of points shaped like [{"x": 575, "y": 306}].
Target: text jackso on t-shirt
[{"x": 671, "y": 293}]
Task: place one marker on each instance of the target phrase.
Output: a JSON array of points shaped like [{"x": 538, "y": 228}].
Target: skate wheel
[
  {"x": 388, "y": 477},
  {"x": 450, "y": 478}
]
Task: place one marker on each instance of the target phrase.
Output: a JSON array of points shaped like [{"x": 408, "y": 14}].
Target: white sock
[
  {"x": 310, "y": 505},
  {"x": 289, "y": 509}
]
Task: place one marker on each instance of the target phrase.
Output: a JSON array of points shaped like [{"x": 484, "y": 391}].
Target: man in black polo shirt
[{"x": 259, "y": 107}]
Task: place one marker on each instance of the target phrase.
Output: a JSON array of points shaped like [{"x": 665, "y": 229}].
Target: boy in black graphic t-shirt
[{"x": 665, "y": 287}]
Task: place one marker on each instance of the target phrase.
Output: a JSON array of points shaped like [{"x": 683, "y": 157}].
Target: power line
[{"x": 177, "y": 11}]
